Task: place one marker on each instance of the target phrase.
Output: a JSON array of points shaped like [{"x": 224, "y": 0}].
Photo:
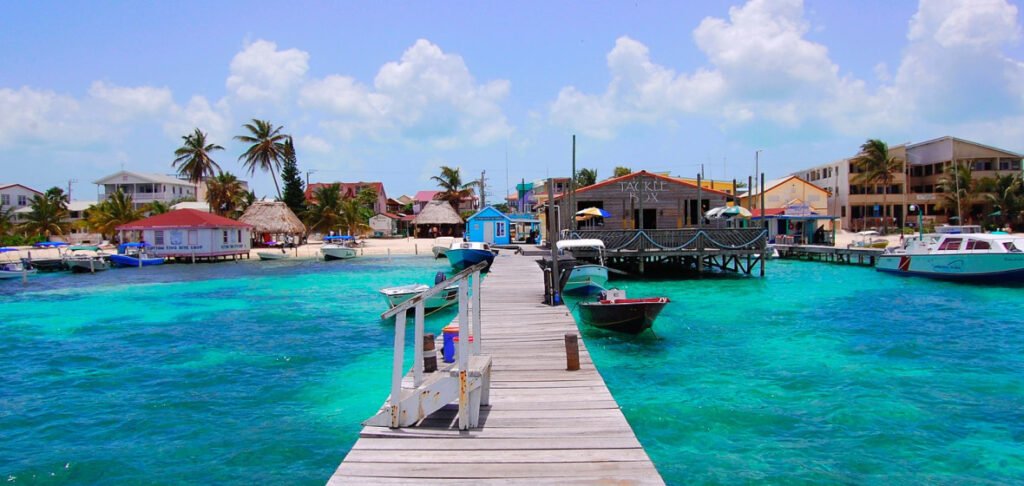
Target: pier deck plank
[{"x": 545, "y": 425}]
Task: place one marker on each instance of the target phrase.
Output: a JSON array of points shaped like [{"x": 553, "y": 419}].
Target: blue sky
[{"x": 391, "y": 91}]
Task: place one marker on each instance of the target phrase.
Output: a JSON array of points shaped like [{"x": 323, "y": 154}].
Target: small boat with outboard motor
[
  {"x": 441, "y": 245},
  {"x": 11, "y": 269},
  {"x": 585, "y": 277},
  {"x": 134, "y": 254},
  {"x": 86, "y": 259},
  {"x": 613, "y": 311},
  {"x": 396, "y": 295}
]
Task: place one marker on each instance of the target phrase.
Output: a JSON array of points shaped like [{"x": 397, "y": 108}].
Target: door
[
  {"x": 489, "y": 233},
  {"x": 650, "y": 218}
]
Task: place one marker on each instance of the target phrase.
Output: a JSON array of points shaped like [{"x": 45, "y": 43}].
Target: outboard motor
[{"x": 439, "y": 277}]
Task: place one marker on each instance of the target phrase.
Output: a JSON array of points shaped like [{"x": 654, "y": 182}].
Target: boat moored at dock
[
  {"x": 134, "y": 255},
  {"x": 613, "y": 311},
  {"x": 441, "y": 245},
  {"x": 86, "y": 259},
  {"x": 10, "y": 269},
  {"x": 465, "y": 254},
  {"x": 585, "y": 277},
  {"x": 976, "y": 257}
]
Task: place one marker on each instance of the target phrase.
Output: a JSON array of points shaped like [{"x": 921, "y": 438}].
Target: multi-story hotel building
[{"x": 862, "y": 206}]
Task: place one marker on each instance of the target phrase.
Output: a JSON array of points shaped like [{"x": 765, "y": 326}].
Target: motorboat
[
  {"x": 867, "y": 240},
  {"x": 134, "y": 255},
  {"x": 335, "y": 248},
  {"x": 613, "y": 311},
  {"x": 585, "y": 277},
  {"x": 10, "y": 269},
  {"x": 86, "y": 259},
  {"x": 465, "y": 254},
  {"x": 979, "y": 257},
  {"x": 402, "y": 293},
  {"x": 272, "y": 255},
  {"x": 441, "y": 245}
]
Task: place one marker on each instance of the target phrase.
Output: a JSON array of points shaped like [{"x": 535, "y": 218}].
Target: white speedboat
[
  {"x": 464, "y": 254},
  {"x": 334, "y": 248},
  {"x": 10, "y": 269},
  {"x": 402, "y": 293},
  {"x": 441, "y": 245},
  {"x": 980, "y": 257},
  {"x": 86, "y": 259},
  {"x": 585, "y": 277}
]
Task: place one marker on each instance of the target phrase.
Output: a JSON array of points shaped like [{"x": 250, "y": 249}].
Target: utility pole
[
  {"x": 308, "y": 172},
  {"x": 572, "y": 188},
  {"x": 70, "y": 181},
  {"x": 757, "y": 166},
  {"x": 483, "y": 188}
]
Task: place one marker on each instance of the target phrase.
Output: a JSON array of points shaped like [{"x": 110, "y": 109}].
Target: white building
[
  {"x": 188, "y": 233},
  {"x": 145, "y": 188},
  {"x": 16, "y": 196}
]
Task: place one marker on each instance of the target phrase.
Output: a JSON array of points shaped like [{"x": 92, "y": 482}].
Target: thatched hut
[
  {"x": 273, "y": 221},
  {"x": 440, "y": 215}
]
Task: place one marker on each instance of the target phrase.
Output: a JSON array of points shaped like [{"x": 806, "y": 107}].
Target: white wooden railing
[{"x": 466, "y": 349}]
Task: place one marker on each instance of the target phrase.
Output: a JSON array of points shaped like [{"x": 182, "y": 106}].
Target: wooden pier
[
  {"x": 830, "y": 254},
  {"x": 738, "y": 250},
  {"x": 544, "y": 425}
]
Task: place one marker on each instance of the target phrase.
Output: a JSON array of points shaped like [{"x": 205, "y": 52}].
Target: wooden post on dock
[
  {"x": 764, "y": 222},
  {"x": 429, "y": 354},
  {"x": 572, "y": 352},
  {"x": 552, "y": 239}
]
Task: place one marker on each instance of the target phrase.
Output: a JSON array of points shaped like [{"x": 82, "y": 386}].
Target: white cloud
[
  {"x": 31, "y": 115},
  {"x": 762, "y": 69},
  {"x": 215, "y": 121},
  {"x": 126, "y": 103},
  {"x": 428, "y": 95},
  {"x": 313, "y": 144},
  {"x": 261, "y": 72}
]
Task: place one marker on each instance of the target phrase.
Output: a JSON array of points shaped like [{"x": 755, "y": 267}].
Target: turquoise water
[
  {"x": 825, "y": 373},
  {"x": 230, "y": 373},
  {"x": 210, "y": 373}
]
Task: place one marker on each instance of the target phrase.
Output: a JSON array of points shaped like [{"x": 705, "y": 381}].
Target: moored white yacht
[{"x": 980, "y": 257}]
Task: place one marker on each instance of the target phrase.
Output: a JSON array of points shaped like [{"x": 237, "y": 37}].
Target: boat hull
[
  {"x": 49, "y": 265},
  {"x": 631, "y": 316},
  {"x": 463, "y": 258},
  {"x": 88, "y": 266},
  {"x": 586, "y": 279},
  {"x": 439, "y": 251},
  {"x": 130, "y": 261},
  {"x": 983, "y": 267},
  {"x": 337, "y": 253},
  {"x": 13, "y": 274},
  {"x": 396, "y": 295},
  {"x": 272, "y": 255}
]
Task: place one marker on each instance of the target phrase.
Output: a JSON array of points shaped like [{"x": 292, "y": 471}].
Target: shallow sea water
[{"x": 242, "y": 372}]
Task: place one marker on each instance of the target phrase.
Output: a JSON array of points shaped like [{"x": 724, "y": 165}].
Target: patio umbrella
[
  {"x": 715, "y": 213},
  {"x": 737, "y": 211},
  {"x": 593, "y": 211}
]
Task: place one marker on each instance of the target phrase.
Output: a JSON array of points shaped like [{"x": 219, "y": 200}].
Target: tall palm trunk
[
  {"x": 273, "y": 176},
  {"x": 885, "y": 207}
]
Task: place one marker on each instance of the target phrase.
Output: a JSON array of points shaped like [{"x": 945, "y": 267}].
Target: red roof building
[{"x": 189, "y": 233}]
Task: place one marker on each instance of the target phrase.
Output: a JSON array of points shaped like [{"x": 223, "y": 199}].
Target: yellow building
[
  {"x": 780, "y": 193},
  {"x": 723, "y": 186}
]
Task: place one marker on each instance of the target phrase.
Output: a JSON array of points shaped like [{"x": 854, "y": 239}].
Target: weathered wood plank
[{"x": 480, "y": 443}]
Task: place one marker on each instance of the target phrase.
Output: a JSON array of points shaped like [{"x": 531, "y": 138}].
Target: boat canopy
[
  {"x": 7, "y": 249},
  {"x": 49, "y": 244},
  {"x": 583, "y": 243},
  {"x": 337, "y": 238},
  {"x": 84, "y": 248},
  {"x": 133, "y": 244}
]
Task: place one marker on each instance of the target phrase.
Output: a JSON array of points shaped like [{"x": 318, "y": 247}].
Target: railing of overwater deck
[
  {"x": 690, "y": 239},
  {"x": 400, "y": 313}
]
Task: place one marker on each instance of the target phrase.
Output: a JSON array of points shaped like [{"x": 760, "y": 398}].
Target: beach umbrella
[
  {"x": 715, "y": 213},
  {"x": 593, "y": 211}
]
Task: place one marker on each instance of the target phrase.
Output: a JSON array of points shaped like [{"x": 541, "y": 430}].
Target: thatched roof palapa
[
  {"x": 272, "y": 217},
  {"x": 437, "y": 212}
]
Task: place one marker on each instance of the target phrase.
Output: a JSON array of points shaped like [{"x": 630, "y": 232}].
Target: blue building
[{"x": 489, "y": 226}]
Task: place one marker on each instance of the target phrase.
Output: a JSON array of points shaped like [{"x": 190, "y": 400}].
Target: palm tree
[
  {"x": 621, "y": 171},
  {"x": 245, "y": 200},
  {"x": 452, "y": 188},
  {"x": 118, "y": 209},
  {"x": 325, "y": 213},
  {"x": 876, "y": 166},
  {"x": 224, "y": 193},
  {"x": 1006, "y": 195},
  {"x": 194, "y": 157},
  {"x": 56, "y": 196},
  {"x": 6, "y": 221},
  {"x": 586, "y": 177},
  {"x": 157, "y": 207},
  {"x": 958, "y": 189},
  {"x": 352, "y": 216},
  {"x": 267, "y": 151},
  {"x": 48, "y": 216}
]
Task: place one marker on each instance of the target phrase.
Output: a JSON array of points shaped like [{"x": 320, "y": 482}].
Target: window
[
  {"x": 978, "y": 245},
  {"x": 843, "y": 212},
  {"x": 239, "y": 236},
  {"x": 193, "y": 237},
  {"x": 5, "y": 199},
  {"x": 22, "y": 200},
  {"x": 499, "y": 229},
  {"x": 225, "y": 236},
  {"x": 158, "y": 237},
  {"x": 1010, "y": 247},
  {"x": 951, "y": 244}
]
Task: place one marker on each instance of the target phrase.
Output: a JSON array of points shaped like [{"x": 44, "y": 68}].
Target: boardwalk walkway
[{"x": 545, "y": 425}]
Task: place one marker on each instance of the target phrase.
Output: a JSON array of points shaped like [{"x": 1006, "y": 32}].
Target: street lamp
[{"x": 757, "y": 171}]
